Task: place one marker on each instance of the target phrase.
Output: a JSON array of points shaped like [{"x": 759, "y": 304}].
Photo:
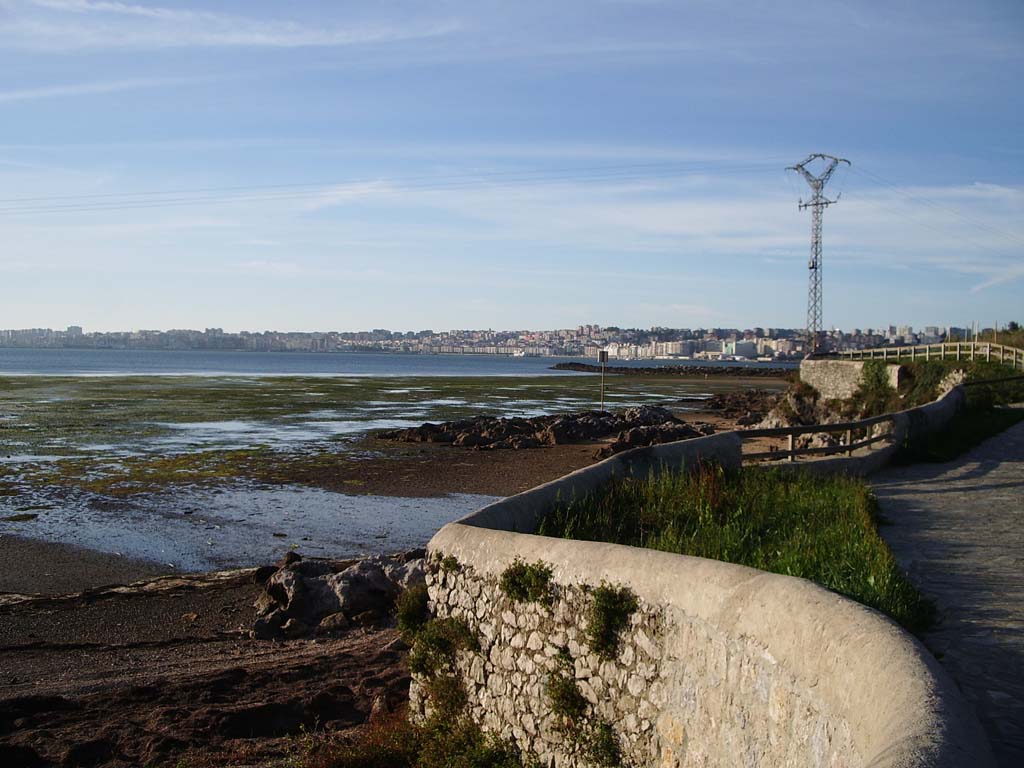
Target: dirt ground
[{"x": 152, "y": 676}]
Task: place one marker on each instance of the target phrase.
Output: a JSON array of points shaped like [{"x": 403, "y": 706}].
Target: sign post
[{"x": 603, "y": 356}]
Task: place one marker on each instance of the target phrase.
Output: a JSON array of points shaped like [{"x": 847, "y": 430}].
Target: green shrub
[
  {"x": 527, "y": 582},
  {"x": 412, "y": 611},
  {"x": 450, "y": 564},
  {"x": 447, "y": 696},
  {"x": 436, "y": 644},
  {"x": 609, "y": 613}
]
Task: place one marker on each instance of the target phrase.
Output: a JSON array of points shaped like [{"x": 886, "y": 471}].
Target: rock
[
  {"x": 288, "y": 559},
  {"x": 288, "y": 588},
  {"x": 332, "y": 624},
  {"x": 89, "y": 753},
  {"x": 269, "y": 627},
  {"x": 294, "y": 628},
  {"x": 408, "y": 574},
  {"x": 21, "y": 756},
  {"x": 261, "y": 574}
]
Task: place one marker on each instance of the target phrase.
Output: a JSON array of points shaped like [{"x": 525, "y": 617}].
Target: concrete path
[{"x": 958, "y": 529}]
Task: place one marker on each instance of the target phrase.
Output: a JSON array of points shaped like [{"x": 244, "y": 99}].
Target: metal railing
[{"x": 954, "y": 350}]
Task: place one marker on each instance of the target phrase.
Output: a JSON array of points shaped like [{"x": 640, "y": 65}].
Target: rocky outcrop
[
  {"x": 656, "y": 434},
  {"x": 747, "y": 406},
  {"x": 656, "y": 425},
  {"x": 302, "y": 597}
]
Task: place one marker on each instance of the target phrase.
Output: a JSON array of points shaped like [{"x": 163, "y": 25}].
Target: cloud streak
[
  {"x": 89, "y": 88},
  {"x": 83, "y": 25}
]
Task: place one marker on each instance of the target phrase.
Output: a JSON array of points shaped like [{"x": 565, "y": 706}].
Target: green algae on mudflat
[{"x": 123, "y": 435}]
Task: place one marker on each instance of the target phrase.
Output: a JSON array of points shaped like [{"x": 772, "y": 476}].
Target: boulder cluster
[
  {"x": 747, "y": 406},
  {"x": 304, "y": 597},
  {"x": 632, "y": 428}
]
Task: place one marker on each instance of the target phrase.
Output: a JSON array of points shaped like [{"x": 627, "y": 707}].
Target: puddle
[{"x": 205, "y": 529}]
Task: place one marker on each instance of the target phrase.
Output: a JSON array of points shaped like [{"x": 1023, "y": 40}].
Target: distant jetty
[{"x": 691, "y": 371}]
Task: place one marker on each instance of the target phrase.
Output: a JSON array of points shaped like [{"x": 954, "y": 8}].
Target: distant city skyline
[
  {"x": 580, "y": 341},
  {"x": 328, "y": 165}
]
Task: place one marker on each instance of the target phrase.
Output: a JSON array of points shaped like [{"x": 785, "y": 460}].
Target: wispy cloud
[
  {"x": 88, "y": 88},
  {"x": 73, "y": 25}
]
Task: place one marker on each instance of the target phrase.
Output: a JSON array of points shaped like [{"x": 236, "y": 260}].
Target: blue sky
[{"x": 346, "y": 165}]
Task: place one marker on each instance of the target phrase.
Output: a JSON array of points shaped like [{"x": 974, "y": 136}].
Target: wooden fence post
[{"x": 792, "y": 447}]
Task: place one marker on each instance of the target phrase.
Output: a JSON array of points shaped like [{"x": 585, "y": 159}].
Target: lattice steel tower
[{"x": 817, "y": 203}]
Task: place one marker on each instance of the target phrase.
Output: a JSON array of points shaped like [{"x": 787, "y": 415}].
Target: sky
[{"x": 407, "y": 165}]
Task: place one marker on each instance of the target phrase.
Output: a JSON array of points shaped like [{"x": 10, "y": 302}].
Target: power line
[{"x": 937, "y": 206}]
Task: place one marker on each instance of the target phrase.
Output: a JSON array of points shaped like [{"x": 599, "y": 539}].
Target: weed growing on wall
[
  {"x": 566, "y": 700},
  {"x": 437, "y": 643},
  {"x": 608, "y": 615},
  {"x": 524, "y": 582},
  {"x": 593, "y": 737},
  {"x": 602, "y": 746},
  {"x": 449, "y": 564}
]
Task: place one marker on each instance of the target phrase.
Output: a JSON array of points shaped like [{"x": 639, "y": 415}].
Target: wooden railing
[
  {"x": 848, "y": 446},
  {"x": 850, "y": 441},
  {"x": 955, "y": 350}
]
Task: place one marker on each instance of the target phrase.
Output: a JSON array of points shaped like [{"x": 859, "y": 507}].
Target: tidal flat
[{"x": 202, "y": 471}]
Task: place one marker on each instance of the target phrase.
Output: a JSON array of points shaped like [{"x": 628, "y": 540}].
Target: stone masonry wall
[
  {"x": 692, "y": 696},
  {"x": 839, "y": 379}
]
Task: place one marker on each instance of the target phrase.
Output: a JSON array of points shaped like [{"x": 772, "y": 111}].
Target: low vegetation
[
  {"x": 447, "y": 738},
  {"x": 527, "y": 582},
  {"x": 397, "y": 743},
  {"x": 412, "y": 611},
  {"x": 968, "y": 429},
  {"x": 436, "y": 644},
  {"x": 920, "y": 384},
  {"x": 779, "y": 520},
  {"x": 609, "y": 613}
]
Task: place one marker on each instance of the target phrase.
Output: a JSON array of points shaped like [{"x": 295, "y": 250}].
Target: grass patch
[
  {"x": 779, "y": 520},
  {"x": 609, "y": 613},
  {"x": 525, "y": 582}
]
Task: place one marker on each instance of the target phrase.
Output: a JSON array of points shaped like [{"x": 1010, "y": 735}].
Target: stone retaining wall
[
  {"x": 719, "y": 665},
  {"x": 839, "y": 379}
]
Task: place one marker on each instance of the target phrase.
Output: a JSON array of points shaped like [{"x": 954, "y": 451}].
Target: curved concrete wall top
[{"x": 896, "y": 703}]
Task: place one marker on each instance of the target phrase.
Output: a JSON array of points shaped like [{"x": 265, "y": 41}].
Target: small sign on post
[{"x": 603, "y": 357}]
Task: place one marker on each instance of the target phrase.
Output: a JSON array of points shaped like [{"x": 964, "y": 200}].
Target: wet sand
[{"x": 30, "y": 566}]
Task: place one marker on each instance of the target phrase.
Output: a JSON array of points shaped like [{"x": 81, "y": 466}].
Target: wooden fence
[{"x": 956, "y": 350}]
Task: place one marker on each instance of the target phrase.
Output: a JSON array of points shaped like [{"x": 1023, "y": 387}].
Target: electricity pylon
[{"x": 817, "y": 203}]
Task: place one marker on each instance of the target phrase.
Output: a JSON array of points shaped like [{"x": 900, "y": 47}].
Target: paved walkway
[{"x": 958, "y": 529}]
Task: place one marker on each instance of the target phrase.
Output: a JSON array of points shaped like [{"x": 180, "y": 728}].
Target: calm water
[{"x": 94, "y": 362}]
